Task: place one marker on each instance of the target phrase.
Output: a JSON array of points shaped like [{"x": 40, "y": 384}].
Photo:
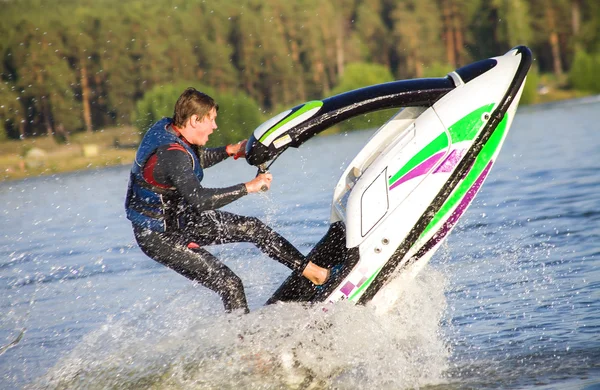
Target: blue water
[{"x": 511, "y": 300}]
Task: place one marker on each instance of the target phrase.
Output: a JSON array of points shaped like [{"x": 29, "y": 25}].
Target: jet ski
[{"x": 407, "y": 188}]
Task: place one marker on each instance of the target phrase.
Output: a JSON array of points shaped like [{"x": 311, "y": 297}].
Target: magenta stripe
[
  {"x": 458, "y": 212},
  {"x": 361, "y": 281},
  {"x": 451, "y": 161},
  {"x": 419, "y": 170},
  {"x": 347, "y": 289}
]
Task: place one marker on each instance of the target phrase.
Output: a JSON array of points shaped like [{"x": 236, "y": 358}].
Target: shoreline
[
  {"x": 44, "y": 157},
  {"x": 51, "y": 167},
  {"x": 102, "y": 149}
]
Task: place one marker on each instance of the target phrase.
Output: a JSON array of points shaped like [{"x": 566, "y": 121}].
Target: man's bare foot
[{"x": 315, "y": 274}]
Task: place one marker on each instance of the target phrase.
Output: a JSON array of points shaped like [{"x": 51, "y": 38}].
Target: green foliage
[
  {"x": 417, "y": 30},
  {"x": 238, "y": 116},
  {"x": 238, "y": 113},
  {"x": 358, "y": 75},
  {"x": 10, "y": 110},
  {"x": 517, "y": 28},
  {"x": 85, "y": 64},
  {"x": 437, "y": 70},
  {"x": 530, "y": 90},
  {"x": 156, "y": 104},
  {"x": 584, "y": 72}
]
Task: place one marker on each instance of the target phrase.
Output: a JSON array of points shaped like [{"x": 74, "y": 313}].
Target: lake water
[{"x": 511, "y": 300}]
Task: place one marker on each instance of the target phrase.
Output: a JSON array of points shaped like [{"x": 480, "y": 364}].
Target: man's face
[{"x": 198, "y": 129}]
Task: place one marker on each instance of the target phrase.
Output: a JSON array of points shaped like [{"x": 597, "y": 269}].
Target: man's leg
[
  {"x": 221, "y": 227},
  {"x": 194, "y": 263}
]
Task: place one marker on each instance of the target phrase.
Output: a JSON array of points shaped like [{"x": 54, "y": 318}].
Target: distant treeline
[{"x": 82, "y": 65}]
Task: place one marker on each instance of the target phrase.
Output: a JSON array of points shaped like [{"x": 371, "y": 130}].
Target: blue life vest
[{"x": 147, "y": 205}]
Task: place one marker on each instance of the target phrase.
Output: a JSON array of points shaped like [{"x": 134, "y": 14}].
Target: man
[{"x": 174, "y": 217}]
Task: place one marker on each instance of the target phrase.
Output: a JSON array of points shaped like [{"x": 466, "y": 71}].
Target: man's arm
[
  {"x": 211, "y": 156},
  {"x": 174, "y": 168}
]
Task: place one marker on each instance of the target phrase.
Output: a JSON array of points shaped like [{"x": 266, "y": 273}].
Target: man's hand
[
  {"x": 262, "y": 182},
  {"x": 237, "y": 150}
]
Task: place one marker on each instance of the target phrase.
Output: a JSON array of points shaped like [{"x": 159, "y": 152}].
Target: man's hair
[{"x": 192, "y": 102}]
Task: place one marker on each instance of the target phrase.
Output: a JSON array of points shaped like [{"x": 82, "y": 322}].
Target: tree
[
  {"x": 372, "y": 33},
  {"x": 584, "y": 71},
  {"x": 530, "y": 89},
  {"x": 80, "y": 39},
  {"x": 358, "y": 75},
  {"x": 246, "y": 35},
  {"x": 417, "y": 33},
  {"x": 313, "y": 47},
  {"x": 456, "y": 18},
  {"x": 585, "y": 20},
  {"x": 11, "y": 113},
  {"x": 85, "y": 63},
  {"x": 547, "y": 17},
  {"x": 277, "y": 75},
  {"x": 45, "y": 76},
  {"x": 514, "y": 27},
  {"x": 238, "y": 113},
  {"x": 215, "y": 52}
]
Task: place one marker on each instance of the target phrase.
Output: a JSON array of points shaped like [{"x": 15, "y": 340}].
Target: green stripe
[
  {"x": 466, "y": 129},
  {"x": 306, "y": 107},
  {"x": 481, "y": 162},
  {"x": 434, "y": 146}
]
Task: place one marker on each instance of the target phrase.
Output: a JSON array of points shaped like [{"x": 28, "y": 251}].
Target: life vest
[{"x": 150, "y": 206}]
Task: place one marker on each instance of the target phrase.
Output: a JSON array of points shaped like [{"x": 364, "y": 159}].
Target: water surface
[{"x": 511, "y": 300}]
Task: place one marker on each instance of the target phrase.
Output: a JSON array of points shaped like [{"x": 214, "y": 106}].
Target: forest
[{"x": 74, "y": 66}]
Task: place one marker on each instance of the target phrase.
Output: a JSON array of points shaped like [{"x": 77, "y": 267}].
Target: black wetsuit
[{"x": 180, "y": 248}]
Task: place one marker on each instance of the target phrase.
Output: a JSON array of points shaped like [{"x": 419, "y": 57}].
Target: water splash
[{"x": 283, "y": 345}]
